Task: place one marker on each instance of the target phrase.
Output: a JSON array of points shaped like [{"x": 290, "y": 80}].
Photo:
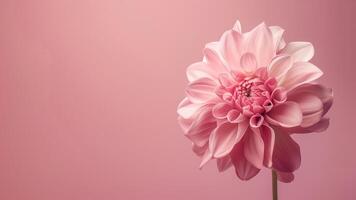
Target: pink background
[{"x": 89, "y": 89}]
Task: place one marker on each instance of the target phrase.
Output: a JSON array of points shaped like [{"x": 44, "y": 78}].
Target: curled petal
[
  {"x": 256, "y": 120},
  {"x": 286, "y": 153},
  {"x": 243, "y": 168},
  {"x": 279, "y": 96},
  {"x": 267, "y": 105},
  {"x": 308, "y": 103},
  {"x": 320, "y": 126},
  {"x": 324, "y": 94},
  {"x": 287, "y": 114},
  {"x": 300, "y": 51},
  {"x": 311, "y": 119}
]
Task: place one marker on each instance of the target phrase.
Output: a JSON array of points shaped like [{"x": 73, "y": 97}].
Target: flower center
[{"x": 244, "y": 88}]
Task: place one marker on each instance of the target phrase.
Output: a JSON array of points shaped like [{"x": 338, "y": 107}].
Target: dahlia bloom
[{"x": 246, "y": 98}]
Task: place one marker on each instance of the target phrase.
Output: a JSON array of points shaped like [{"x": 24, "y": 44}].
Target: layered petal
[
  {"x": 277, "y": 33},
  {"x": 268, "y": 138},
  {"x": 285, "y": 177},
  {"x": 201, "y": 90},
  {"x": 300, "y": 73},
  {"x": 201, "y": 128},
  {"x": 223, "y": 163},
  {"x": 186, "y": 109},
  {"x": 259, "y": 42},
  {"x": 300, "y": 51},
  {"x": 254, "y": 147},
  {"x": 243, "y": 168},
  {"x": 286, "y": 154},
  {"x": 279, "y": 66},
  {"x": 224, "y": 137},
  {"x": 287, "y": 114}
]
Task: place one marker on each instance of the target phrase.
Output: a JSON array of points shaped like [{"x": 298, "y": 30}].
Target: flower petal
[
  {"x": 224, "y": 137},
  {"x": 279, "y": 66},
  {"x": 223, "y": 163},
  {"x": 254, "y": 147},
  {"x": 187, "y": 109},
  {"x": 237, "y": 26},
  {"x": 243, "y": 168},
  {"x": 248, "y": 63},
  {"x": 205, "y": 159},
  {"x": 259, "y": 42},
  {"x": 221, "y": 110},
  {"x": 201, "y": 128},
  {"x": 277, "y": 33},
  {"x": 268, "y": 137},
  {"x": 201, "y": 90},
  {"x": 232, "y": 42},
  {"x": 300, "y": 73},
  {"x": 199, "y": 150},
  {"x": 308, "y": 103},
  {"x": 285, "y": 177},
  {"x": 201, "y": 70},
  {"x": 287, "y": 114},
  {"x": 256, "y": 120},
  {"x": 286, "y": 154},
  {"x": 323, "y": 93},
  {"x": 321, "y": 126},
  {"x": 300, "y": 51}
]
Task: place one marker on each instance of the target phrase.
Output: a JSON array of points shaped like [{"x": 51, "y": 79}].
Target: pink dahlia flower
[{"x": 246, "y": 98}]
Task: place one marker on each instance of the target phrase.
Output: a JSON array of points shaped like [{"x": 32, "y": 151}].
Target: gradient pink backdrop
[{"x": 89, "y": 89}]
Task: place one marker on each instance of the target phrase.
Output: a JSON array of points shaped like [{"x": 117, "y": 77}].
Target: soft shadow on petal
[
  {"x": 243, "y": 168},
  {"x": 224, "y": 137},
  {"x": 268, "y": 137},
  {"x": 254, "y": 147},
  {"x": 221, "y": 110},
  {"x": 223, "y": 163},
  {"x": 321, "y": 126},
  {"x": 286, "y": 154},
  {"x": 323, "y": 93},
  {"x": 285, "y": 177},
  {"x": 287, "y": 114}
]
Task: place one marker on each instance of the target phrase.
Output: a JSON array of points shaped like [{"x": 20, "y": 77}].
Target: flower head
[{"x": 246, "y": 98}]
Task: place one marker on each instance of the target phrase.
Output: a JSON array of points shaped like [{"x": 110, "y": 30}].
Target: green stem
[{"x": 274, "y": 185}]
